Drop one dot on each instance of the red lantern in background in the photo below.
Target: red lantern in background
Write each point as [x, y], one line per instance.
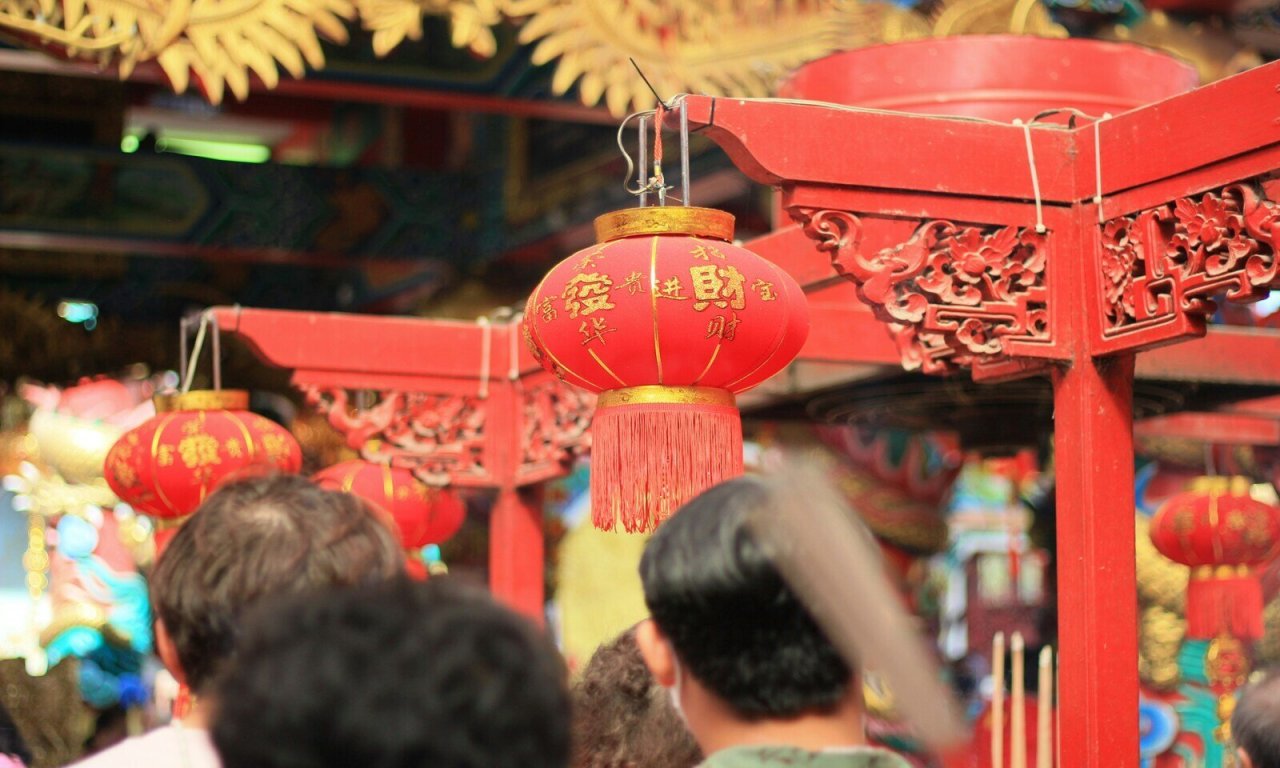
[423, 514]
[166, 466]
[668, 320]
[1223, 534]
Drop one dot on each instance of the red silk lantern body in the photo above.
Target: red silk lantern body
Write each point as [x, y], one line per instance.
[1223, 534]
[669, 319]
[166, 466]
[423, 514]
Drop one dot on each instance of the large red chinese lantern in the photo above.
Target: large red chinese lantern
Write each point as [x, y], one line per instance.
[166, 466]
[423, 514]
[1223, 534]
[668, 320]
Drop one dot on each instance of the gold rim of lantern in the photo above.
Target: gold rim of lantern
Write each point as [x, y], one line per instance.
[665, 220]
[1234, 485]
[203, 400]
[657, 393]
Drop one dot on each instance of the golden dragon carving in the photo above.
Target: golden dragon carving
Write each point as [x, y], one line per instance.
[726, 47]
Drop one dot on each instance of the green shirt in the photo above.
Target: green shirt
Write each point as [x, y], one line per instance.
[789, 757]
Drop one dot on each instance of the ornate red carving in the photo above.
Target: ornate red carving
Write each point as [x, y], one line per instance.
[438, 437]
[1163, 266]
[441, 438]
[557, 424]
[952, 295]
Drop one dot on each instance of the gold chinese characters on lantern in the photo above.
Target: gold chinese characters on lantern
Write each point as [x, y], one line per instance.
[166, 466]
[668, 319]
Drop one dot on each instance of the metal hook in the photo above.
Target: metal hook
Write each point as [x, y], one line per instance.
[684, 151]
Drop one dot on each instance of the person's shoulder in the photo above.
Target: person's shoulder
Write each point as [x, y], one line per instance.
[165, 747]
[766, 756]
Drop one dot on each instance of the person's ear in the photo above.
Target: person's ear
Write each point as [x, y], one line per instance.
[169, 653]
[656, 652]
[1242, 758]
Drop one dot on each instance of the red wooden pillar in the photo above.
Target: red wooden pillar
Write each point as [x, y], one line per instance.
[1097, 599]
[516, 549]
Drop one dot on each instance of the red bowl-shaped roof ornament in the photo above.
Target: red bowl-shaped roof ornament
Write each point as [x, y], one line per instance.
[423, 514]
[669, 320]
[169, 464]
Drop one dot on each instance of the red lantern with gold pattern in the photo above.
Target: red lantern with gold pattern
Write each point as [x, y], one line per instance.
[1223, 534]
[166, 466]
[668, 319]
[423, 514]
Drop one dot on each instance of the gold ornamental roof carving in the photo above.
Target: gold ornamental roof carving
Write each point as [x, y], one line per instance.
[725, 47]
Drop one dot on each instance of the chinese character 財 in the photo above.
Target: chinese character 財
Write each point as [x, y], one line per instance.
[723, 327]
[587, 293]
[717, 285]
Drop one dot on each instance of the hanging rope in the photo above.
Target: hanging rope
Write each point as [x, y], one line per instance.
[1097, 164]
[486, 347]
[1035, 177]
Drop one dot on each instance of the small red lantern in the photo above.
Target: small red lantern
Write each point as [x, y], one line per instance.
[668, 319]
[166, 466]
[423, 514]
[1223, 534]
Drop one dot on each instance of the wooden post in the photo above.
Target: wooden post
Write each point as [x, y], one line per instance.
[516, 549]
[1097, 582]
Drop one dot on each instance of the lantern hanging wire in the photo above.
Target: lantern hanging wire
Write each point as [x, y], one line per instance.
[187, 365]
[655, 183]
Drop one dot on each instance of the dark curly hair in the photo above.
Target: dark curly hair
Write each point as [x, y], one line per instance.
[622, 718]
[397, 675]
[732, 621]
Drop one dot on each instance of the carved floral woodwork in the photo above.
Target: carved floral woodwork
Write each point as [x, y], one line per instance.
[1162, 267]
[557, 424]
[444, 438]
[438, 437]
[952, 295]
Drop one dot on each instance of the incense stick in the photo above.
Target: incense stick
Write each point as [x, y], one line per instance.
[833, 566]
[1017, 706]
[997, 701]
[1044, 710]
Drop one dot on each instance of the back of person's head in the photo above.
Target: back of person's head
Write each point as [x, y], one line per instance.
[397, 675]
[622, 718]
[731, 620]
[253, 538]
[13, 749]
[1255, 724]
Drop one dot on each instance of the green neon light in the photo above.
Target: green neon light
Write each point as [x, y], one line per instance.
[229, 151]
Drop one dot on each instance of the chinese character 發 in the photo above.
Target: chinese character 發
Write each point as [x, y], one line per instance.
[672, 289]
[723, 327]
[705, 252]
[595, 330]
[587, 293]
[633, 284]
[547, 310]
[721, 286]
[765, 289]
